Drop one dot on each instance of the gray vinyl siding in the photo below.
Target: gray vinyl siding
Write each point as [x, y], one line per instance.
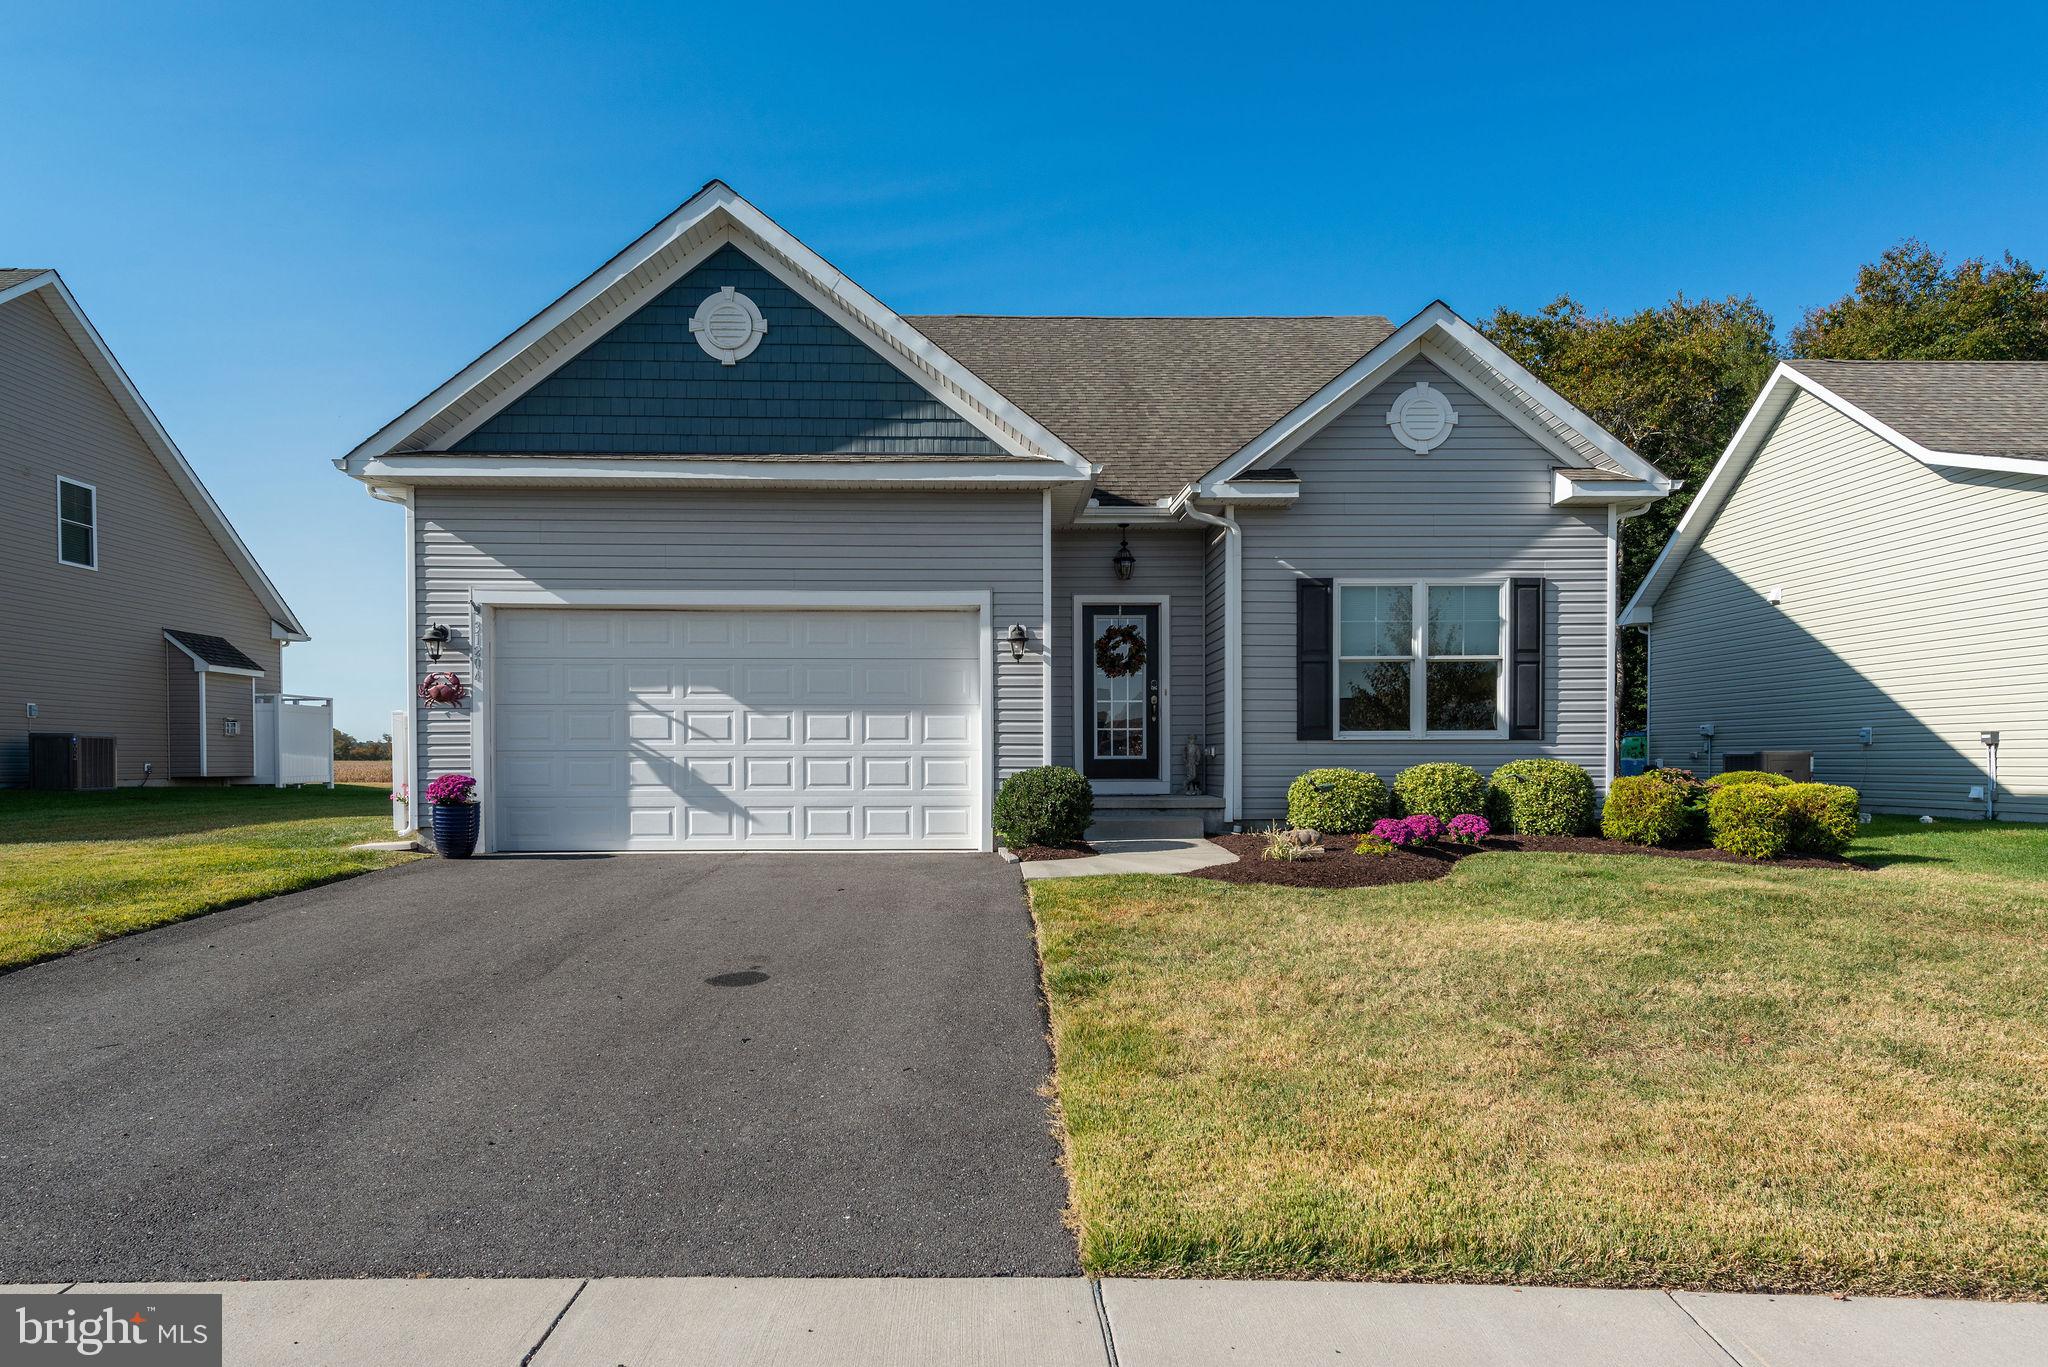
[1216, 621]
[1169, 566]
[1912, 604]
[87, 646]
[181, 716]
[1478, 506]
[229, 695]
[467, 540]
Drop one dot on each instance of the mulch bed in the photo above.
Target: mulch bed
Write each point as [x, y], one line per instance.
[1340, 868]
[1080, 849]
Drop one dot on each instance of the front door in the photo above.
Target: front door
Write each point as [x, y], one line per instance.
[1121, 710]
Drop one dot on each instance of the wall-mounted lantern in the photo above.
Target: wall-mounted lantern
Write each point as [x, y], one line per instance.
[434, 637]
[1124, 562]
[1017, 637]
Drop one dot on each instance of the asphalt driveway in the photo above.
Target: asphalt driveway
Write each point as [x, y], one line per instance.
[720, 1065]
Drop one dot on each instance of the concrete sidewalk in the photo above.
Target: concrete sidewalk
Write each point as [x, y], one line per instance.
[1071, 1322]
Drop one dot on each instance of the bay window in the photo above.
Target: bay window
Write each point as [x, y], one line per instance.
[1439, 671]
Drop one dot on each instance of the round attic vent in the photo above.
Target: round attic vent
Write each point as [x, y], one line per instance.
[728, 326]
[1422, 418]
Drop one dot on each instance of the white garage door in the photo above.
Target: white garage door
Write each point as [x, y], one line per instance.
[682, 730]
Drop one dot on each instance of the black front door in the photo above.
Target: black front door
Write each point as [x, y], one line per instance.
[1120, 715]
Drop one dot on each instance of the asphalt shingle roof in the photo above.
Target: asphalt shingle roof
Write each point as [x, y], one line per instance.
[215, 650]
[1158, 402]
[10, 276]
[1978, 408]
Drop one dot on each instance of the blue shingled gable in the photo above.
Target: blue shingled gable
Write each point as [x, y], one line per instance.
[810, 388]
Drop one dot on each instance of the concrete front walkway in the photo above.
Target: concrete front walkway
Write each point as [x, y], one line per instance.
[1071, 1322]
[1161, 855]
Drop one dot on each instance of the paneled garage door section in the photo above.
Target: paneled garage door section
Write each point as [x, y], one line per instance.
[680, 730]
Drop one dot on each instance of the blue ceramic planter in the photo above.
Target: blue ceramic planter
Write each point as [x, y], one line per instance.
[455, 830]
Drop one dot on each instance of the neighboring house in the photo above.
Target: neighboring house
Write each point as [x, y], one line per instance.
[730, 554]
[1860, 577]
[132, 610]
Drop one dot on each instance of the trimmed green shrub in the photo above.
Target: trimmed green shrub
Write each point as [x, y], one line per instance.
[1540, 797]
[1647, 809]
[1749, 819]
[1347, 800]
[1052, 805]
[1734, 776]
[1442, 790]
[1822, 817]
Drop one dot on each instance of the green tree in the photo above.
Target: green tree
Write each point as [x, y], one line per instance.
[1909, 306]
[1671, 382]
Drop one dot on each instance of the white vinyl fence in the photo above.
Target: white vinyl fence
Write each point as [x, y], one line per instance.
[294, 739]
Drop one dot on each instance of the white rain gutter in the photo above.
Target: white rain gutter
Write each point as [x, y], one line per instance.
[1233, 635]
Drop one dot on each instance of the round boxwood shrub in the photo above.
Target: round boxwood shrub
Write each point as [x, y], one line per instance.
[1052, 805]
[1734, 776]
[1749, 819]
[1347, 800]
[1822, 817]
[1442, 790]
[1540, 797]
[1647, 809]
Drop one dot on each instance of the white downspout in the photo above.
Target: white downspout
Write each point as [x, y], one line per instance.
[1615, 517]
[1233, 635]
[408, 821]
[1045, 623]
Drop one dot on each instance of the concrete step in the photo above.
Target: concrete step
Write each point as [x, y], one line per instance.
[1143, 825]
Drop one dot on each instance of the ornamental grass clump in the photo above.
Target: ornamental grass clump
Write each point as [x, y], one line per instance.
[1540, 797]
[1469, 829]
[1344, 800]
[1443, 790]
[1289, 845]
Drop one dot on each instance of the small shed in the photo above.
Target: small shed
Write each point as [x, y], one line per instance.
[212, 706]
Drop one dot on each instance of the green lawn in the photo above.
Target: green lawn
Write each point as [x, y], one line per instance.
[77, 868]
[1569, 1069]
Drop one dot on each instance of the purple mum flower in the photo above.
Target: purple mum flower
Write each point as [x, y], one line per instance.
[1468, 829]
[1392, 831]
[1424, 827]
[452, 790]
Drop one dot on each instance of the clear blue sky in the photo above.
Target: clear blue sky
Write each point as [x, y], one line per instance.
[292, 221]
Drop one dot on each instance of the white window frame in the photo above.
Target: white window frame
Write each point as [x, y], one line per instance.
[1418, 658]
[93, 526]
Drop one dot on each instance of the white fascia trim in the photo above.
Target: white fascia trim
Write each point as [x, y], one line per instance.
[832, 288]
[1565, 492]
[1436, 324]
[280, 632]
[157, 439]
[200, 666]
[1034, 472]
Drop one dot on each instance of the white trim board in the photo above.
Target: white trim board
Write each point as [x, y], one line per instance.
[57, 295]
[1785, 384]
[712, 217]
[486, 604]
[1163, 783]
[1440, 334]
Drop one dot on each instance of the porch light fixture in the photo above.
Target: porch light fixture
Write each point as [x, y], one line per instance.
[1123, 560]
[433, 638]
[1017, 637]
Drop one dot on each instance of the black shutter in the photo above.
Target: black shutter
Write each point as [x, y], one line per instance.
[1313, 690]
[1525, 676]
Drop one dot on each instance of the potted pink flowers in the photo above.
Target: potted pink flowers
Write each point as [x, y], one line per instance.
[453, 798]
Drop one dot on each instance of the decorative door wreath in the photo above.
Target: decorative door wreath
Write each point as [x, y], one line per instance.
[1120, 651]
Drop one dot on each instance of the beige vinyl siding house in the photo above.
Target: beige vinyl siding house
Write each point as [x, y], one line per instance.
[730, 555]
[86, 642]
[1847, 575]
